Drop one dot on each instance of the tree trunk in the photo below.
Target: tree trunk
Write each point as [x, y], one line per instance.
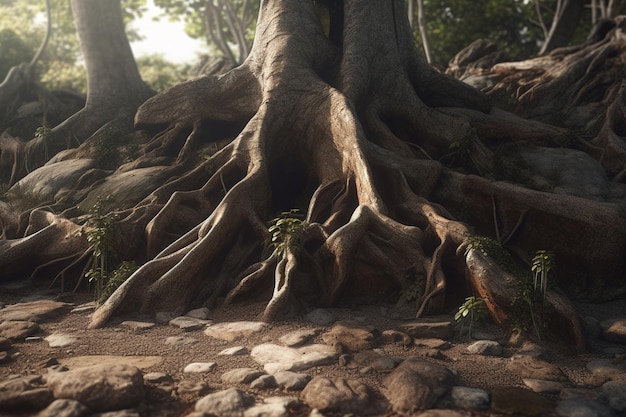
[380, 164]
[564, 24]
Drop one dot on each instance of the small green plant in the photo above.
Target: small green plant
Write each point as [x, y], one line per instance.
[99, 233]
[42, 132]
[286, 230]
[543, 263]
[117, 278]
[471, 311]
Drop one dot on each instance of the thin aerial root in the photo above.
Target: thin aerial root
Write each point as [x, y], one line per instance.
[435, 278]
[253, 278]
[285, 271]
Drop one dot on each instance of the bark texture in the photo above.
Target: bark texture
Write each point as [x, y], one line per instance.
[387, 160]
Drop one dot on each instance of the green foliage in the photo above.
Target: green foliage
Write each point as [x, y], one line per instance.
[13, 51]
[117, 278]
[161, 74]
[543, 263]
[101, 239]
[106, 145]
[471, 311]
[493, 250]
[286, 230]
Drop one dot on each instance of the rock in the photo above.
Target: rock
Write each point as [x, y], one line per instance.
[275, 358]
[520, 401]
[416, 385]
[274, 407]
[188, 324]
[100, 387]
[614, 330]
[485, 348]
[605, 368]
[4, 357]
[469, 398]
[321, 317]
[532, 350]
[533, 368]
[16, 330]
[352, 336]
[24, 394]
[199, 367]
[234, 351]
[5, 344]
[374, 360]
[59, 340]
[188, 391]
[615, 394]
[141, 362]
[180, 340]
[543, 387]
[163, 317]
[579, 407]
[64, 408]
[234, 330]
[228, 403]
[157, 378]
[395, 336]
[264, 382]
[137, 326]
[338, 395]
[429, 328]
[200, 313]
[298, 337]
[432, 343]
[37, 310]
[291, 381]
[241, 376]
[584, 393]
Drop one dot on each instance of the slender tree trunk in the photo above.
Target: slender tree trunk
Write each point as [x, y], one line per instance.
[564, 24]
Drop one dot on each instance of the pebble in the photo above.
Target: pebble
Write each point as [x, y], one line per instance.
[200, 313]
[241, 376]
[188, 323]
[137, 326]
[199, 367]
[59, 340]
[469, 398]
[579, 407]
[234, 351]
[485, 348]
[234, 330]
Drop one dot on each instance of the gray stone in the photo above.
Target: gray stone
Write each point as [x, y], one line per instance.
[241, 376]
[264, 382]
[534, 368]
[275, 358]
[100, 387]
[180, 340]
[614, 330]
[59, 340]
[396, 336]
[273, 407]
[188, 323]
[374, 360]
[199, 367]
[157, 378]
[520, 401]
[583, 393]
[432, 343]
[416, 385]
[234, 330]
[429, 328]
[200, 313]
[338, 395]
[291, 381]
[24, 394]
[579, 407]
[543, 387]
[606, 368]
[485, 348]
[615, 394]
[38, 310]
[189, 391]
[228, 403]
[469, 398]
[163, 317]
[352, 336]
[16, 330]
[64, 408]
[531, 349]
[137, 326]
[234, 351]
[298, 337]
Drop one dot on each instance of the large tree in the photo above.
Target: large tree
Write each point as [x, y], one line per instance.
[388, 160]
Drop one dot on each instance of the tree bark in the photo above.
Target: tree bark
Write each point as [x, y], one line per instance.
[564, 24]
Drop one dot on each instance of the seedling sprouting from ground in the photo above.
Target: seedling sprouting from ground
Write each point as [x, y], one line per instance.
[472, 310]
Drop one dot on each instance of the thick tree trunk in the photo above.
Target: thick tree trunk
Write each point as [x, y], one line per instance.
[387, 160]
[564, 24]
